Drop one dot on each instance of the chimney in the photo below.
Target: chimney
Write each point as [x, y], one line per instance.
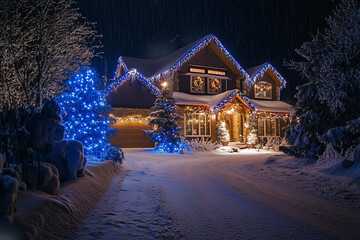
[177, 43]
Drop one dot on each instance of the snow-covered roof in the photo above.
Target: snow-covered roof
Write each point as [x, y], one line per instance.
[272, 106]
[258, 71]
[153, 68]
[213, 101]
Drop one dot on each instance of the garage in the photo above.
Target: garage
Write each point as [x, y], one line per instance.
[130, 135]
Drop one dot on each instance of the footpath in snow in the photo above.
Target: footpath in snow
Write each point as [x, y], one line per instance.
[245, 195]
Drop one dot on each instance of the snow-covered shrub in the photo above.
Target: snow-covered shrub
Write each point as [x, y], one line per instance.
[51, 109]
[355, 154]
[44, 131]
[114, 154]
[222, 133]
[330, 156]
[8, 196]
[49, 177]
[68, 157]
[202, 145]
[228, 149]
[184, 145]
[273, 143]
[345, 137]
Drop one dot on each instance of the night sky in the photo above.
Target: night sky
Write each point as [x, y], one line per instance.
[253, 31]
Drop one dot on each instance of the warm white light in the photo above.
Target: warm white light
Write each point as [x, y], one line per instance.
[164, 84]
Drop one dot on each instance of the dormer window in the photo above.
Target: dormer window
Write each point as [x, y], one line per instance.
[263, 90]
[197, 84]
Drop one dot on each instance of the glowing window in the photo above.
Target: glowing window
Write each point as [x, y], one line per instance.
[263, 90]
[214, 85]
[197, 124]
[197, 84]
[216, 72]
[197, 70]
[268, 127]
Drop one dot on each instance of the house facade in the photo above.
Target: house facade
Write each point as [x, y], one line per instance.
[209, 86]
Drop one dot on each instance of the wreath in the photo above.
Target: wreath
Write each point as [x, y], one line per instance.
[198, 83]
[215, 84]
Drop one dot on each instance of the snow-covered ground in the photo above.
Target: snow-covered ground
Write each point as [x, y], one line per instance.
[244, 195]
[43, 216]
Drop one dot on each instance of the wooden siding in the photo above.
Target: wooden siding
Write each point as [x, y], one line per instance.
[207, 59]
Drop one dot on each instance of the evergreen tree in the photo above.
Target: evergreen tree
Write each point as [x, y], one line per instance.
[86, 116]
[165, 131]
[331, 99]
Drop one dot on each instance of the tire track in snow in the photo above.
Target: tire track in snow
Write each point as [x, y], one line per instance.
[133, 208]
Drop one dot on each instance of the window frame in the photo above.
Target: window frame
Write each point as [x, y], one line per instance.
[263, 83]
[220, 87]
[264, 132]
[191, 83]
[199, 124]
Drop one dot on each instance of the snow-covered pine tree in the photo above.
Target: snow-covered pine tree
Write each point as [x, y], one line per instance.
[165, 133]
[332, 97]
[222, 133]
[86, 116]
[41, 41]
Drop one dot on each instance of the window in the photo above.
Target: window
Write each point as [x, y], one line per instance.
[197, 84]
[268, 127]
[214, 85]
[197, 70]
[197, 124]
[216, 72]
[263, 90]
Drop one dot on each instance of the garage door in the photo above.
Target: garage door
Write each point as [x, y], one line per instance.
[130, 135]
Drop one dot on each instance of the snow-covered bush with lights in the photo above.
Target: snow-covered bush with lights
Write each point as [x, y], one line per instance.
[202, 145]
[164, 117]
[328, 106]
[252, 137]
[86, 116]
[222, 133]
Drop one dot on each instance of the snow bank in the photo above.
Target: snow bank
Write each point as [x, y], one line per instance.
[42, 216]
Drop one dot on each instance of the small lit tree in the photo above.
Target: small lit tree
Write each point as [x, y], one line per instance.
[164, 121]
[252, 130]
[222, 133]
[86, 116]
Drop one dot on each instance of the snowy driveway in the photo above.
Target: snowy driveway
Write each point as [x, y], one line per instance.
[210, 196]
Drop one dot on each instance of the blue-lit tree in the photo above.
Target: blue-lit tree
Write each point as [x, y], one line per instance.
[165, 131]
[86, 116]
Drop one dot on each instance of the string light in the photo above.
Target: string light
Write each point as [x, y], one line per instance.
[262, 71]
[232, 96]
[132, 73]
[136, 118]
[84, 113]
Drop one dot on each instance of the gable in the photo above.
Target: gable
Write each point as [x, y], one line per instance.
[171, 63]
[131, 94]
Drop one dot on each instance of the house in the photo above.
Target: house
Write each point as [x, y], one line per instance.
[209, 85]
